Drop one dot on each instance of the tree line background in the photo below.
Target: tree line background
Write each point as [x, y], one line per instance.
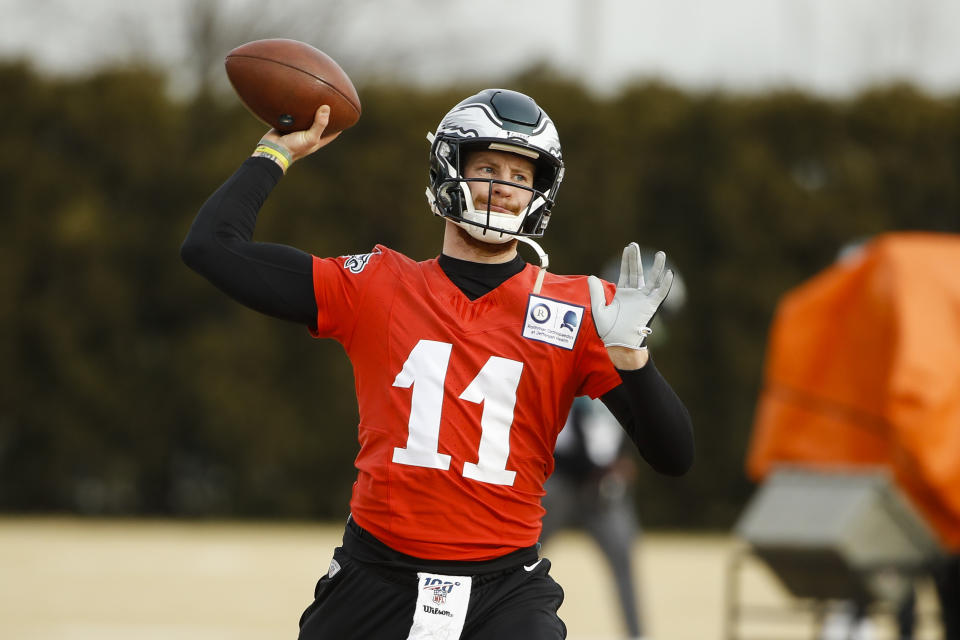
[131, 387]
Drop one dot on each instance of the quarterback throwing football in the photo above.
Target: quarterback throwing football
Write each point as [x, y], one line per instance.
[466, 366]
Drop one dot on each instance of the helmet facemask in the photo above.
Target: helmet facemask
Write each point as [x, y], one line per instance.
[454, 196]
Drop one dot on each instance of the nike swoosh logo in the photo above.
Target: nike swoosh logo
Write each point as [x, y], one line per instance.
[532, 566]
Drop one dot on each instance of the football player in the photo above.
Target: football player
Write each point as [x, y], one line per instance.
[465, 366]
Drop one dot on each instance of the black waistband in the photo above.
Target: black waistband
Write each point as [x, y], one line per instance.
[363, 546]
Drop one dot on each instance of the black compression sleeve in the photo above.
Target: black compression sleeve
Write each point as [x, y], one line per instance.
[654, 418]
[271, 278]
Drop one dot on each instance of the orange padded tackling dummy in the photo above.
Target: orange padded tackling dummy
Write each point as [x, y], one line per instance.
[863, 368]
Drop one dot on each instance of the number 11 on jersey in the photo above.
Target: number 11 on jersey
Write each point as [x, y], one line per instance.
[495, 386]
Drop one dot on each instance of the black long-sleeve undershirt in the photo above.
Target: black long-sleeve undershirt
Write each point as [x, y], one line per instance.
[277, 280]
[274, 279]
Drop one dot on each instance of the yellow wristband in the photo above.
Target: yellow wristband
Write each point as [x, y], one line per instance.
[277, 147]
[281, 159]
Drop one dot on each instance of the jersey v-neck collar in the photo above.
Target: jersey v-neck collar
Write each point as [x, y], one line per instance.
[474, 279]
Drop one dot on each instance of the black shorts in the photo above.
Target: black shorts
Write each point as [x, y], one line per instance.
[375, 593]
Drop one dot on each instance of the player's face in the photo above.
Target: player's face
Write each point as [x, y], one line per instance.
[499, 165]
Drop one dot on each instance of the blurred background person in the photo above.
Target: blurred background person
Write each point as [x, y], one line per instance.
[591, 489]
[595, 473]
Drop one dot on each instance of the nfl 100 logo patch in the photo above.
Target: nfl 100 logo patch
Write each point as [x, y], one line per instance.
[552, 321]
[440, 589]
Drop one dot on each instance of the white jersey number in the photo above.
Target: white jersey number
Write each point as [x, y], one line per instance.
[495, 386]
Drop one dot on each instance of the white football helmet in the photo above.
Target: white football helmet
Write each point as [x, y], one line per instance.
[500, 120]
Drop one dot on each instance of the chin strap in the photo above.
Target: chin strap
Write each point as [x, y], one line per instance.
[544, 262]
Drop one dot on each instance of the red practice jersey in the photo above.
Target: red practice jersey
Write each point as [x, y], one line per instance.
[460, 401]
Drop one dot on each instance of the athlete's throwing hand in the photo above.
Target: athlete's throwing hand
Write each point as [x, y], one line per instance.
[625, 322]
[300, 144]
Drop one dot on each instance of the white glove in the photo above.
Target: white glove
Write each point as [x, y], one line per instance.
[625, 322]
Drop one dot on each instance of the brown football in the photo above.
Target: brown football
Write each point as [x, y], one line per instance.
[282, 82]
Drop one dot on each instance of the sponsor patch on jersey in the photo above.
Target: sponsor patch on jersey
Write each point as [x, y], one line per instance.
[441, 607]
[552, 321]
[358, 262]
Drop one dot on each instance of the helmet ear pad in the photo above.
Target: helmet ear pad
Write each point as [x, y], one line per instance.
[450, 196]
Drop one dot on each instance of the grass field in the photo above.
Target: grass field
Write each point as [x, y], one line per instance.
[73, 579]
